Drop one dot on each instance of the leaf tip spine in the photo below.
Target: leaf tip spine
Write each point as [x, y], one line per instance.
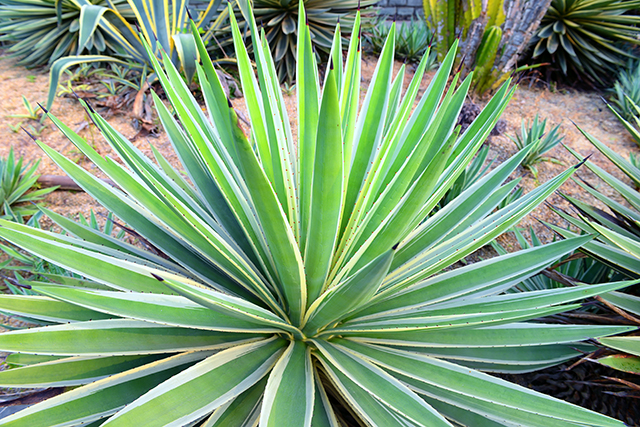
[42, 108]
[27, 132]
[583, 161]
[158, 278]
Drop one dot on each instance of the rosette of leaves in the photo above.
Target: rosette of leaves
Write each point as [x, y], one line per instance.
[42, 31]
[626, 91]
[278, 19]
[16, 181]
[632, 125]
[412, 39]
[296, 287]
[586, 37]
[65, 33]
[532, 134]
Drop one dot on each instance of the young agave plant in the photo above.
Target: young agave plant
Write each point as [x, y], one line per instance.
[296, 285]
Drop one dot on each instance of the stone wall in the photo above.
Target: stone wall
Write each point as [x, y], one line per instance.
[403, 9]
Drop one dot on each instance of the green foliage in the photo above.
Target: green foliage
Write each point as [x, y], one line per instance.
[577, 268]
[278, 19]
[632, 125]
[476, 169]
[284, 278]
[626, 91]
[32, 120]
[42, 31]
[533, 135]
[586, 37]
[64, 34]
[24, 265]
[618, 244]
[16, 181]
[574, 266]
[618, 241]
[413, 38]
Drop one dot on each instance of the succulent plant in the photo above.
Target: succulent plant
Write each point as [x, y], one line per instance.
[291, 283]
[626, 91]
[278, 19]
[16, 181]
[533, 134]
[584, 37]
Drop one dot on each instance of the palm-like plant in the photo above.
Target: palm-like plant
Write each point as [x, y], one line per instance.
[286, 281]
[585, 36]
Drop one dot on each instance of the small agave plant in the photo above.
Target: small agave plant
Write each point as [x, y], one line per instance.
[296, 282]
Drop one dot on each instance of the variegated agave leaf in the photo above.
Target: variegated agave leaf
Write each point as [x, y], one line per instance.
[294, 275]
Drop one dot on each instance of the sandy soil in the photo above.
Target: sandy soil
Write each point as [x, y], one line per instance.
[585, 109]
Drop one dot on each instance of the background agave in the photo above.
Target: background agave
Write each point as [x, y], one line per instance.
[586, 36]
[62, 34]
[296, 285]
[44, 30]
[278, 18]
[16, 181]
[533, 134]
[626, 91]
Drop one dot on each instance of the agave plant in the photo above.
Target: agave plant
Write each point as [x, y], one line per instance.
[412, 39]
[632, 125]
[62, 34]
[296, 285]
[533, 135]
[44, 30]
[16, 180]
[626, 91]
[585, 36]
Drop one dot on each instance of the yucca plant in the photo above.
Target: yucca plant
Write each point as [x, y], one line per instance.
[163, 24]
[16, 181]
[278, 19]
[296, 283]
[585, 37]
[532, 134]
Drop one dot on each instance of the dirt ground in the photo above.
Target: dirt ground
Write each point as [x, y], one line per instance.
[566, 107]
